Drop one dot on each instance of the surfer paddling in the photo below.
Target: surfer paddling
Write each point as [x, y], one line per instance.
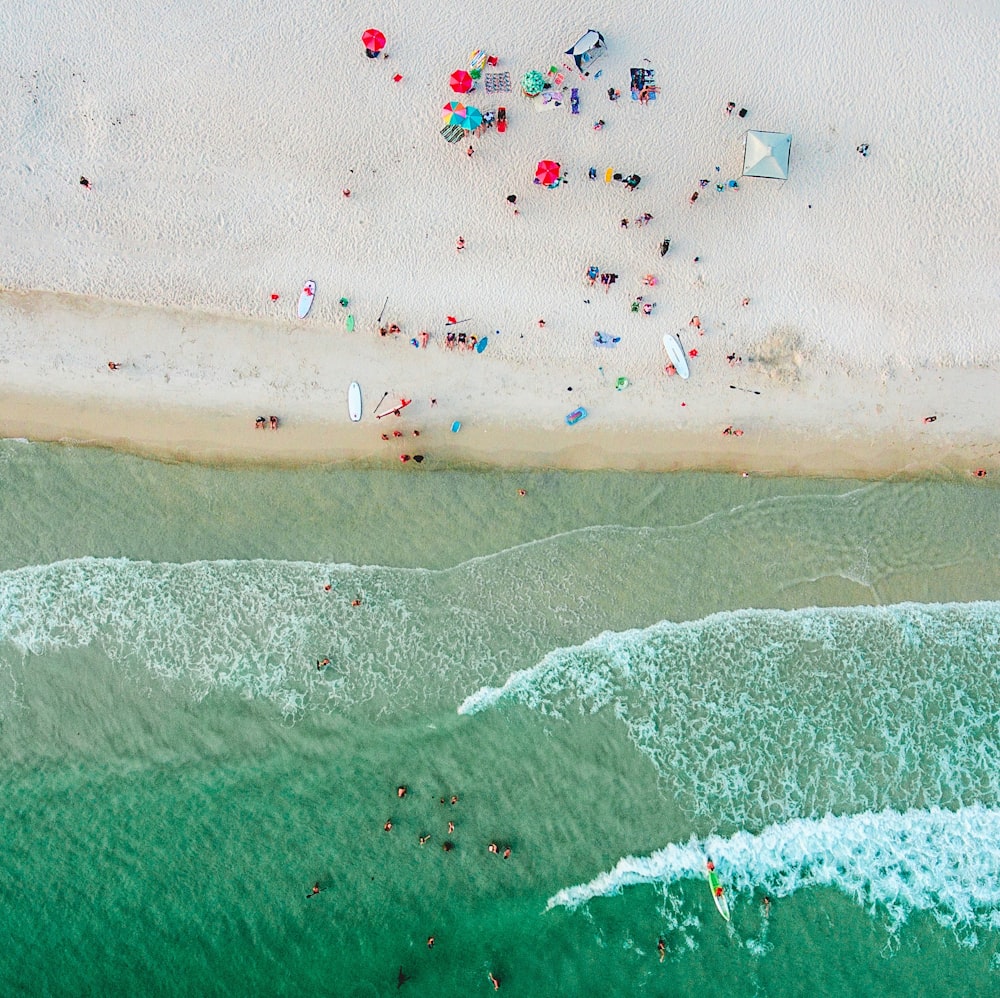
[316, 889]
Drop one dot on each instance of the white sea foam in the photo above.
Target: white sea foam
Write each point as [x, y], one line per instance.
[945, 863]
[767, 715]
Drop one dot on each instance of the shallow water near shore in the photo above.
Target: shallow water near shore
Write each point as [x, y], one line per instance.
[617, 675]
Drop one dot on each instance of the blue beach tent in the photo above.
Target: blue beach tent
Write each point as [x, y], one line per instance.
[588, 49]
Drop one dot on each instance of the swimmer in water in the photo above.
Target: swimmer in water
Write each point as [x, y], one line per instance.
[448, 846]
[494, 848]
[401, 791]
[766, 906]
[454, 800]
[423, 839]
[451, 827]
[315, 890]
[661, 948]
[495, 981]
[387, 826]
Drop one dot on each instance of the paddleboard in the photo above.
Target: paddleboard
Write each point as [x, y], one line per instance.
[481, 344]
[676, 353]
[306, 298]
[354, 401]
[718, 895]
[350, 323]
[396, 409]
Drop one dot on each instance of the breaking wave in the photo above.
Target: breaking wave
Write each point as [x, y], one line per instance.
[944, 863]
[759, 716]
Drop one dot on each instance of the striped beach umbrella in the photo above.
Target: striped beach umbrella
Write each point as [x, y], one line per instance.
[455, 113]
[477, 62]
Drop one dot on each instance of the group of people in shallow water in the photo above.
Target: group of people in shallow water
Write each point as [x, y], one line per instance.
[447, 845]
[401, 791]
[260, 423]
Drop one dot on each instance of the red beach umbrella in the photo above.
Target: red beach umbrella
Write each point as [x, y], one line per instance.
[547, 172]
[461, 82]
[373, 40]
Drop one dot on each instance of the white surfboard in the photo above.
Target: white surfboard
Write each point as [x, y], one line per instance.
[676, 354]
[306, 298]
[354, 401]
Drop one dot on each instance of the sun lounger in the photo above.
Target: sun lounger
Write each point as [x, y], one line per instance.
[501, 120]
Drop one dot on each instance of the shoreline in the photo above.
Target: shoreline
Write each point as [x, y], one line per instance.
[213, 438]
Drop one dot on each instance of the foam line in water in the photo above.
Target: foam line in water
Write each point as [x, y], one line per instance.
[945, 863]
[768, 715]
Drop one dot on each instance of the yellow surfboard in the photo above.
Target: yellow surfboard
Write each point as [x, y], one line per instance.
[608, 175]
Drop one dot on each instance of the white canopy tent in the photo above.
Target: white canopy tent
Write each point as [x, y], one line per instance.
[766, 155]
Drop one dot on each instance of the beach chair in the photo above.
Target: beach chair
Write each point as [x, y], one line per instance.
[574, 101]
[501, 120]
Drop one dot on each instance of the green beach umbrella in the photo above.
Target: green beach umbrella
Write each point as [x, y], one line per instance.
[532, 83]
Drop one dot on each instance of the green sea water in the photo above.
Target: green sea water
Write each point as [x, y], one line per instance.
[616, 674]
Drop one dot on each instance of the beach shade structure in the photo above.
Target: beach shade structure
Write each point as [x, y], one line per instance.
[587, 49]
[473, 118]
[461, 82]
[547, 173]
[532, 83]
[465, 117]
[766, 155]
[373, 41]
[477, 63]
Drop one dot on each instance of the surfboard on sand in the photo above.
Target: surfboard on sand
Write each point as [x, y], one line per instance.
[350, 323]
[306, 298]
[676, 353]
[481, 344]
[354, 401]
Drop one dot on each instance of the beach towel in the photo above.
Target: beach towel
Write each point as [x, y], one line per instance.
[574, 101]
[497, 83]
[640, 79]
[604, 340]
[452, 133]
[550, 99]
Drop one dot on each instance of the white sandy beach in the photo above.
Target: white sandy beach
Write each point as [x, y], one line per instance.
[218, 137]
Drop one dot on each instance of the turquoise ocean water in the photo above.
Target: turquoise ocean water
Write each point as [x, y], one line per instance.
[617, 675]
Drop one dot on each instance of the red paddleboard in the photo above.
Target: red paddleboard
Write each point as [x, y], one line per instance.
[395, 410]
